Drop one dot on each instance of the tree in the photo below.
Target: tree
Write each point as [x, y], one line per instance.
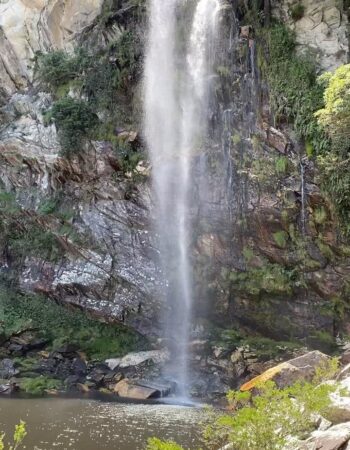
[335, 116]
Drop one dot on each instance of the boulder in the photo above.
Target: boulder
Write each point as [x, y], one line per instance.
[332, 439]
[8, 388]
[128, 389]
[287, 373]
[143, 389]
[344, 373]
[345, 357]
[113, 363]
[340, 406]
[135, 359]
[7, 369]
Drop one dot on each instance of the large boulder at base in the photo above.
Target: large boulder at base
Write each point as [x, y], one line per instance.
[332, 439]
[340, 406]
[287, 373]
[141, 389]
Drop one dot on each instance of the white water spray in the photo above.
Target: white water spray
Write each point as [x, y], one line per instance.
[177, 86]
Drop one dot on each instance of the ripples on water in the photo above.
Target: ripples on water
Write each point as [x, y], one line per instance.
[92, 425]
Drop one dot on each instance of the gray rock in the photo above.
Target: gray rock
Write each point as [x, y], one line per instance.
[135, 359]
[7, 369]
[113, 363]
[332, 439]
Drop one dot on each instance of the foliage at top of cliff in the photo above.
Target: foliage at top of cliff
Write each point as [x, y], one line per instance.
[334, 117]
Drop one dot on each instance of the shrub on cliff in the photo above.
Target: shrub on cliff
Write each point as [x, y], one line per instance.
[295, 94]
[57, 68]
[75, 121]
[335, 163]
[335, 116]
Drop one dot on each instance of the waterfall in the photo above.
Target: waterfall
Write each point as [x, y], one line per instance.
[177, 86]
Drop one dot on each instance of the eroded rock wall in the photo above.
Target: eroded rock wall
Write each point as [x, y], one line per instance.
[322, 29]
[28, 26]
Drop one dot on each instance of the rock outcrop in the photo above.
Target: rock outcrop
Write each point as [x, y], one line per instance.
[28, 26]
[289, 372]
[321, 29]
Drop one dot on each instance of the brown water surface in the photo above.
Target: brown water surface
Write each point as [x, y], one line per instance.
[79, 424]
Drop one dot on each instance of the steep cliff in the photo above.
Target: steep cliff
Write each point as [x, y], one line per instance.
[76, 223]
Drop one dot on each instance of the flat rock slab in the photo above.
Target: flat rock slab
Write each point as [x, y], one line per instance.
[142, 389]
[287, 373]
[137, 358]
[332, 439]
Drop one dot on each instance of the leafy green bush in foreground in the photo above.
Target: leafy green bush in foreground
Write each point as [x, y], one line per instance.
[18, 437]
[267, 420]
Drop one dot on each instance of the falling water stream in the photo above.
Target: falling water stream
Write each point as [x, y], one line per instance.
[177, 87]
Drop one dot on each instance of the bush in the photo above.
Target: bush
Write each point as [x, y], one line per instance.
[335, 163]
[57, 68]
[268, 420]
[297, 12]
[335, 116]
[272, 279]
[39, 385]
[61, 325]
[295, 94]
[18, 437]
[22, 235]
[157, 444]
[75, 121]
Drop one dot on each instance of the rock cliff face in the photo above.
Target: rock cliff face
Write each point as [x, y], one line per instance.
[39, 25]
[270, 254]
[322, 28]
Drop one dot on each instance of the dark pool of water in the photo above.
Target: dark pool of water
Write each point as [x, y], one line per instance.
[79, 424]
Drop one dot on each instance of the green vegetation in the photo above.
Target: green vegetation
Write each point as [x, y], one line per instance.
[157, 444]
[61, 325]
[297, 12]
[58, 68]
[127, 156]
[264, 348]
[40, 385]
[282, 164]
[281, 238]
[319, 108]
[320, 215]
[271, 279]
[335, 116]
[335, 164]
[75, 121]
[18, 437]
[295, 94]
[22, 234]
[87, 85]
[267, 420]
